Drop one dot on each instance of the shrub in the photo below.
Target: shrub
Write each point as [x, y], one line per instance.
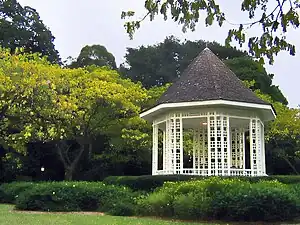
[150, 183]
[77, 196]
[2, 196]
[12, 190]
[146, 182]
[225, 199]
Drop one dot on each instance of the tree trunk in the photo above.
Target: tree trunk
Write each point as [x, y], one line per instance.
[69, 165]
[69, 173]
[290, 164]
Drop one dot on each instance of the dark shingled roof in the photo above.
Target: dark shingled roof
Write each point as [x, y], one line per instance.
[208, 78]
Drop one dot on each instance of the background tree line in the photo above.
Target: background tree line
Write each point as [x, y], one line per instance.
[79, 120]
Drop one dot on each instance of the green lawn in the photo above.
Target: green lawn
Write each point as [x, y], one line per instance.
[9, 217]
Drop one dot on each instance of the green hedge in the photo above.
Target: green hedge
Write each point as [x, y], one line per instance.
[70, 196]
[146, 182]
[2, 196]
[78, 196]
[222, 199]
[149, 183]
[11, 191]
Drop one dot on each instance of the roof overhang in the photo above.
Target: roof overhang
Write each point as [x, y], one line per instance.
[267, 110]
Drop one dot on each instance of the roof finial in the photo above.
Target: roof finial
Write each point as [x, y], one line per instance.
[206, 45]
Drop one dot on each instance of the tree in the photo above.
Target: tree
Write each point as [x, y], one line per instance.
[282, 134]
[94, 55]
[83, 104]
[275, 18]
[68, 107]
[163, 63]
[18, 85]
[21, 27]
[248, 69]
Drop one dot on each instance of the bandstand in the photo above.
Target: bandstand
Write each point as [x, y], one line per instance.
[209, 124]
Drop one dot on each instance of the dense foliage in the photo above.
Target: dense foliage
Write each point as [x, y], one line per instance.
[69, 196]
[166, 61]
[275, 18]
[71, 107]
[224, 199]
[94, 55]
[210, 198]
[12, 190]
[150, 183]
[21, 27]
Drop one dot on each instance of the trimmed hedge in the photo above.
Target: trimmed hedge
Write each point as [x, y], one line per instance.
[222, 199]
[150, 183]
[2, 197]
[11, 191]
[146, 182]
[70, 196]
[78, 196]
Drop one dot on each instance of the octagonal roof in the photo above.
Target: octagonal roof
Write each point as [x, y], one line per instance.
[207, 81]
[208, 78]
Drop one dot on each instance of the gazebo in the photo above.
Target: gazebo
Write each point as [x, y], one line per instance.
[209, 124]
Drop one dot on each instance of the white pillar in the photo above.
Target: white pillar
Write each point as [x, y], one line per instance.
[244, 152]
[241, 149]
[155, 149]
[263, 150]
[177, 143]
[168, 158]
[209, 145]
[229, 152]
[216, 145]
[258, 148]
[164, 151]
[181, 143]
[222, 146]
[254, 144]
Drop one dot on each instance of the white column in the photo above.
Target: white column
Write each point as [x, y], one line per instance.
[209, 145]
[216, 146]
[168, 159]
[241, 149]
[228, 147]
[155, 149]
[253, 146]
[258, 148]
[244, 152]
[164, 151]
[222, 145]
[263, 150]
[181, 143]
[177, 143]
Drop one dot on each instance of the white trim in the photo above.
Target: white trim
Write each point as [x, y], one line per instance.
[207, 103]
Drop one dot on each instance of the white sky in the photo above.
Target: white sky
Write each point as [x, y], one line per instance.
[76, 23]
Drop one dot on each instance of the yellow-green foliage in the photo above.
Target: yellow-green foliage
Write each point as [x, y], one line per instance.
[47, 102]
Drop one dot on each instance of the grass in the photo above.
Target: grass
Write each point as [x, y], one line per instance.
[10, 217]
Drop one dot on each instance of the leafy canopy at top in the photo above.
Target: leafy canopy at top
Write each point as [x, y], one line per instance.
[21, 27]
[275, 18]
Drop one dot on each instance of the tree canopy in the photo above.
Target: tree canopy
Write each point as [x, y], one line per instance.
[163, 63]
[94, 55]
[275, 19]
[21, 27]
[51, 103]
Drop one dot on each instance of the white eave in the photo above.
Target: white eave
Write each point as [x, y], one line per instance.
[267, 109]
